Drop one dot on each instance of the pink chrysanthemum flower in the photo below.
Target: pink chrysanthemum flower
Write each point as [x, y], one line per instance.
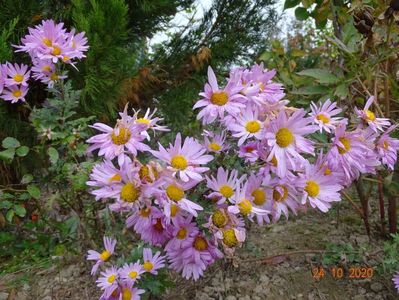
[395, 280]
[284, 196]
[113, 142]
[217, 102]
[387, 148]
[109, 245]
[152, 263]
[141, 219]
[103, 176]
[150, 122]
[78, 43]
[323, 115]
[244, 206]
[349, 152]
[320, 190]
[108, 281]
[246, 125]
[261, 197]
[224, 185]
[16, 75]
[129, 273]
[42, 68]
[194, 257]
[215, 142]
[285, 138]
[185, 160]
[156, 232]
[15, 93]
[3, 75]
[369, 117]
[231, 238]
[249, 151]
[174, 193]
[181, 231]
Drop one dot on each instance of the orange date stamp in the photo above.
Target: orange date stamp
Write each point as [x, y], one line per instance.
[341, 273]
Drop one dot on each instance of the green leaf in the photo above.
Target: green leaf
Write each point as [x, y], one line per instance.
[311, 90]
[53, 153]
[321, 76]
[5, 204]
[10, 142]
[10, 215]
[7, 155]
[20, 210]
[298, 52]
[34, 191]
[342, 91]
[22, 151]
[301, 13]
[26, 178]
[291, 3]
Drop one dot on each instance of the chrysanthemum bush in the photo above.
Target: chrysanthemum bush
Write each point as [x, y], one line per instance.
[257, 159]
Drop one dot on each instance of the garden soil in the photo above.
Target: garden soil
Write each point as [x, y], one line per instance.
[278, 262]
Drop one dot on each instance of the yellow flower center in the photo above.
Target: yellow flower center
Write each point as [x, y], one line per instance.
[226, 191]
[144, 121]
[145, 212]
[17, 93]
[46, 69]
[229, 238]
[148, 266]
[105, 255]
[18, 77]
[327, 171]
[219, 98]
[47, 42]
[182, 233]
[312, 188]
[252, 126]
[122, 137]
[370, 116]
[54, 76]
[259, 196]
[174, 192]
[323, 118]
[245, 207]
[174, 209]
[261, 86]
[347, 145]
[129, 192]
[144, 173]
[284, 137]
[214, 147]
[274, 161]
[219, 219]
[386, 145]
[200, 243]
[277, 195]
[116, 177]
[133, 274]
[66, 58]
[56, 51]
[111, 278]
[126, 294]
[179, 162]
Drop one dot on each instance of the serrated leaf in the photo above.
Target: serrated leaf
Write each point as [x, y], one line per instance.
[310, 90]
[321, 76]
[20, 210]
[10, 215]
[7, 155]
[301, 13]
[53, 154]
[26, 178]
[291, 3]
[10, 142]
[22, 151]
[34, 191]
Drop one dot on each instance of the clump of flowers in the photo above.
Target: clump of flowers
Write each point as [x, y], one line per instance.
[50, 46]
[186, 200]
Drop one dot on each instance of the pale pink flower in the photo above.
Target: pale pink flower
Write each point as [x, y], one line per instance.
[14, 93]
[246, 125]
[369, 117]
[100, 258]
[16, 75]
[152, 263]
[324, 114]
